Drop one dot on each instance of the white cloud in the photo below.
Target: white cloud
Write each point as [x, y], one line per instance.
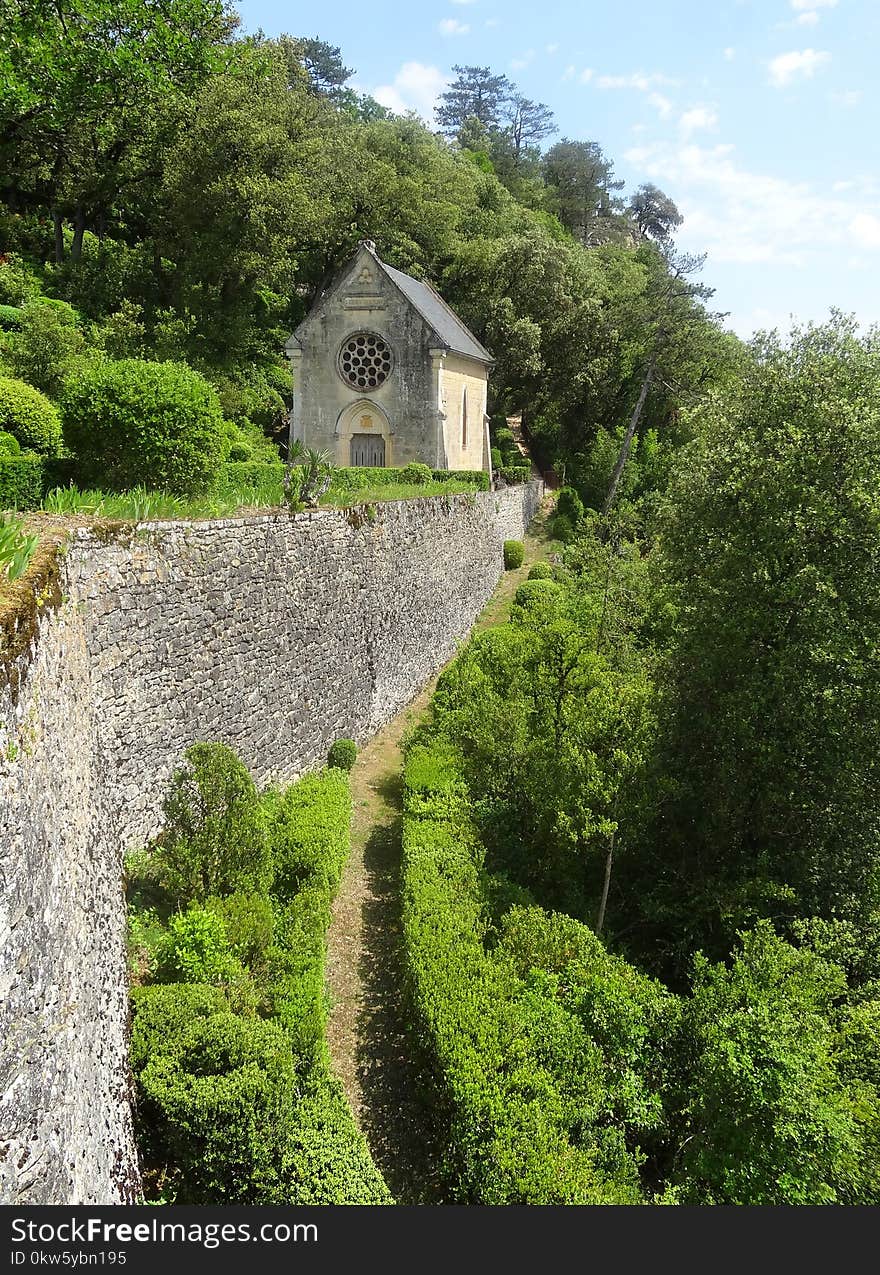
[637, 80]
[729, 53]
[809, 19]
[747, 217]
[696, 118]
[415, 87]
[551, 49]
[568, 73]
[865, 228]
[806, 6]
[452, 26]
[519, 64]
[849, 97]
[788, 66]
[661, 104]
[492, 22]
[586, 75]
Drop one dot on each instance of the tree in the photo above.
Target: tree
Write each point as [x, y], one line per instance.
[477, 94]
[527, 123]
[323, 64]
[654, 213]
[581, 183]
[764, 800]
[670, 321]
[89, 93]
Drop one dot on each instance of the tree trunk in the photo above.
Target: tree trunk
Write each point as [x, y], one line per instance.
[59, 237]
[79, 228]
[609, 860]
[628, 437]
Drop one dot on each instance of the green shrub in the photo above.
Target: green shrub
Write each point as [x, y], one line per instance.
[330, 1160]
[47, 347]
[21, 481]
[219, 1103]
[248, 924]
[343, 754]
[541, 571]
[195, 949]
[18, 282]
[561, 528]
[515, 474]
[514, 552]
[496, 458]
[10, 317]
[29, 416]
[136, 422]
[215, 839]
[478, 477]
[504, 439]
[164, 1012]
[416, 473]
[570, 505]
[533, 596]
[9, 444]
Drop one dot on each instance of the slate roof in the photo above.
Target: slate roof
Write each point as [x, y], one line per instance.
[438, 315]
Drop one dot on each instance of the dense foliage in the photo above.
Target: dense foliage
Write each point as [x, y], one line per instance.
[235, 1100]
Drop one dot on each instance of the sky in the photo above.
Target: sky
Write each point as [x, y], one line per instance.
[758, 117]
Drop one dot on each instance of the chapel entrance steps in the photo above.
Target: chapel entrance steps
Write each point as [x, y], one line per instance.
[520, 437]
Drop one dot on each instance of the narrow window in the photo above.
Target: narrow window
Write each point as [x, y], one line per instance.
[464, 419]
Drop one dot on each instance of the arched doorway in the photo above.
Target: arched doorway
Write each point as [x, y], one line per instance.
[363, 436]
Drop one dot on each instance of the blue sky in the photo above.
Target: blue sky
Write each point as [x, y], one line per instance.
[758, 117]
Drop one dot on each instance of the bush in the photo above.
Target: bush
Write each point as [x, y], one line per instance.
[21, 482]
[504, 439]
[195, 949]
[496, 458]
[215, 839]
[541, 571]
[29, 416]
[218, 1100]
[46, 348]
[9, 444]
[416, 473]
[514, 552]
[570, 505]
[562, 529]
[515, 474]
[18, 283]
[134, 422]
[10, 317]
[343, 754]
[248, 924]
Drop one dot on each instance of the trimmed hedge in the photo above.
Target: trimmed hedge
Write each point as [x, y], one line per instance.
[360, 476]
[239, 1104]
[533, 1101]
[29, 415]
[514, 552]
[135, 422]
[515, 474]
[343, 754]
[21, 482]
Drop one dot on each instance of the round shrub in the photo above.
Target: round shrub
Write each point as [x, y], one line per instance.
[513, 554]
[561, 528]
[504, 439]
[10, 317]
[570, 505]
[29, 417]
[9, 444]
[541, 571]
[133, 422]
[496, 458]
[343, 752]
[416, 473]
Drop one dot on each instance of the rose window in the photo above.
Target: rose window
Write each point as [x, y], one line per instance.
[365, 361]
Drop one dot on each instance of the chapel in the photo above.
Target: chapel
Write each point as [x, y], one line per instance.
[385, 373]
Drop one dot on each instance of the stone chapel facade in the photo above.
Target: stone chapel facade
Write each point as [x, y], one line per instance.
[385, 373]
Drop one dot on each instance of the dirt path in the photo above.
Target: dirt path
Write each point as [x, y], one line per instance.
[370, 1045]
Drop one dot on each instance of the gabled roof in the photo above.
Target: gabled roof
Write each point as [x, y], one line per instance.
[448, 327]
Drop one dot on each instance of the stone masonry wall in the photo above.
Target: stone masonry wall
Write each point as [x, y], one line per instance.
[274, 633]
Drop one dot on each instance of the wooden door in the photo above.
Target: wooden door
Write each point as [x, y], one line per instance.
[368, 449]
